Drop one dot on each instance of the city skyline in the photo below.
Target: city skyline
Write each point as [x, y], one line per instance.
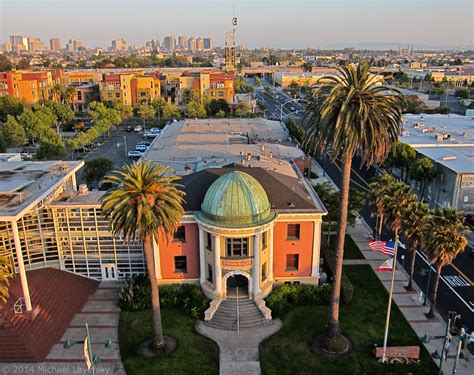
[286, 26]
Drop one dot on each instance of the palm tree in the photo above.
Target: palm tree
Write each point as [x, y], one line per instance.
[378, 189]
[444, 239]
[350, 113]
[5, 275]
[67, 95]
[413, 226]
[144, 203]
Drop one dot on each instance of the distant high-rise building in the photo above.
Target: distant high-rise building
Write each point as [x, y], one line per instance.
[73, 45]
[208, 43]
[119, 45]
[169, 43]
[200, 44]
[192, 44]
[35, 44]
[55, 44]
[19, 42]
[182, 42]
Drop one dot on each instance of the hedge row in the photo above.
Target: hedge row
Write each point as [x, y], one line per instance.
[287, 296]
[136, 296]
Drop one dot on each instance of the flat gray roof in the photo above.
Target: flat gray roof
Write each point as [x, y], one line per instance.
[447, 139]
[25, 183]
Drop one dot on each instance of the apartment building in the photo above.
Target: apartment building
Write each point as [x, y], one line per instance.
[130, 88]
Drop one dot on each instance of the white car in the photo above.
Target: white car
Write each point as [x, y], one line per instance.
[155, 130]
[137, 129]
[135, 154]
[141, 148]
[150, 135]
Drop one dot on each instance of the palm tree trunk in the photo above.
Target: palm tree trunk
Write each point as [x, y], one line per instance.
[158, 342]
[333, 330]
[434, 292]
[412, 266]
[380, 223]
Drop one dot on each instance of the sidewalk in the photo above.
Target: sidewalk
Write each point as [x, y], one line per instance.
[238, 352]
[410, 304]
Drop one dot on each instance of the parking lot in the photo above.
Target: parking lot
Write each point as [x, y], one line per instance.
[115, 148]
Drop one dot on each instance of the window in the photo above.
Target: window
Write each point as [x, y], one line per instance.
[237, 247]
[117, 95]
[293, 231]
[79, 95]
[264, 240]
[210, 277]
[209, 241]
[264, 271]
[180, 234]
[180, 264]
[292, 261]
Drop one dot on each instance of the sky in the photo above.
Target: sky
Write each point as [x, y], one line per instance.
[261, 23]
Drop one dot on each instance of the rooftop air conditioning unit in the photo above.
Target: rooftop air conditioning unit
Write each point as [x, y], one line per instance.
[448, 158]
[439, 137]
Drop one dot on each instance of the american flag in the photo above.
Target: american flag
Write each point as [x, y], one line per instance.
[386, 266]
[387, 248]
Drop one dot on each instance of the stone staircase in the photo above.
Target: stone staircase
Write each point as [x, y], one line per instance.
[226, 315]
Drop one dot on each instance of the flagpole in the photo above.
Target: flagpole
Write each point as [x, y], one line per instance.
[387, 320]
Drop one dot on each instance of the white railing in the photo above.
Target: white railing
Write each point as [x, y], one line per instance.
[18, 306]
[238, 315]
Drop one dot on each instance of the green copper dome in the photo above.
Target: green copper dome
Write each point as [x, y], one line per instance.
[236, 199]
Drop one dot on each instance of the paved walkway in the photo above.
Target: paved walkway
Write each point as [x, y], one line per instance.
[238, 352]
[410, 303]
[102, 315]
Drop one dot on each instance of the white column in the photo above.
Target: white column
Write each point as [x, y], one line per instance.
[316, 248]
[256, 263]
[217, 264]
[157, 260]
[270, 254]
[21, 266]
[202, 257]
[74, 182]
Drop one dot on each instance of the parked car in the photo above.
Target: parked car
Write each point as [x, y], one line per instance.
[146, 143]
[137, 129]
[141, 148]
[155, 130]
[129, 128]
[292, 109]
[135, 154]
[26, 156]
[150, 135]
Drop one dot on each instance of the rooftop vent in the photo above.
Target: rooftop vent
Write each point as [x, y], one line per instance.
[446, 158]
[83, 190]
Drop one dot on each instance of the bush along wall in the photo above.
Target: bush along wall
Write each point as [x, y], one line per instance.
[287, 296]
[136, 296]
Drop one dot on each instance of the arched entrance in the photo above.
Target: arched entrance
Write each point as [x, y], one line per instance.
[237, 283]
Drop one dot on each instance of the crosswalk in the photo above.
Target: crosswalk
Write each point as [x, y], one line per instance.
[456, 281]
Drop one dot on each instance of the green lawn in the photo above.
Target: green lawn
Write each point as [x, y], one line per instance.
[289, 352]
[195, 354]
[351, 251]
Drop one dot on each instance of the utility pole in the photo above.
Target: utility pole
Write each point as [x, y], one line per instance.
[125, 144]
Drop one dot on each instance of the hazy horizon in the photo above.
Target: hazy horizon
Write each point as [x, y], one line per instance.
[262, 23]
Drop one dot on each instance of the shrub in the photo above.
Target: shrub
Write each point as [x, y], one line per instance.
[347, 290]
[287, 296]
[136, 296]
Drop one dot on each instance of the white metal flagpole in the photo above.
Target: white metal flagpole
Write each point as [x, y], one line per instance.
[387, 320]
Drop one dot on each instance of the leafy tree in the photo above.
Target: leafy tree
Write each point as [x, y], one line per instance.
[258, 81]
[444, 238]
[413, 226]
[96, 169]
[62, 94]
[349, 114]
[195, 109]
[293, 88]
[240, 86]
[10, 106]
[307, 66]
[145, 203]
[4, 139]
[124, 110]
[6, 274]
[62, 112]
[295, 130]
[23, 64]
[461, 93]
[146, 111]
[414, 105]
[5, 64]
[51, 150]
[214, 106]
[423, 171]
[378, 189]
[401, 156]
[16, 133]
[242, 109]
